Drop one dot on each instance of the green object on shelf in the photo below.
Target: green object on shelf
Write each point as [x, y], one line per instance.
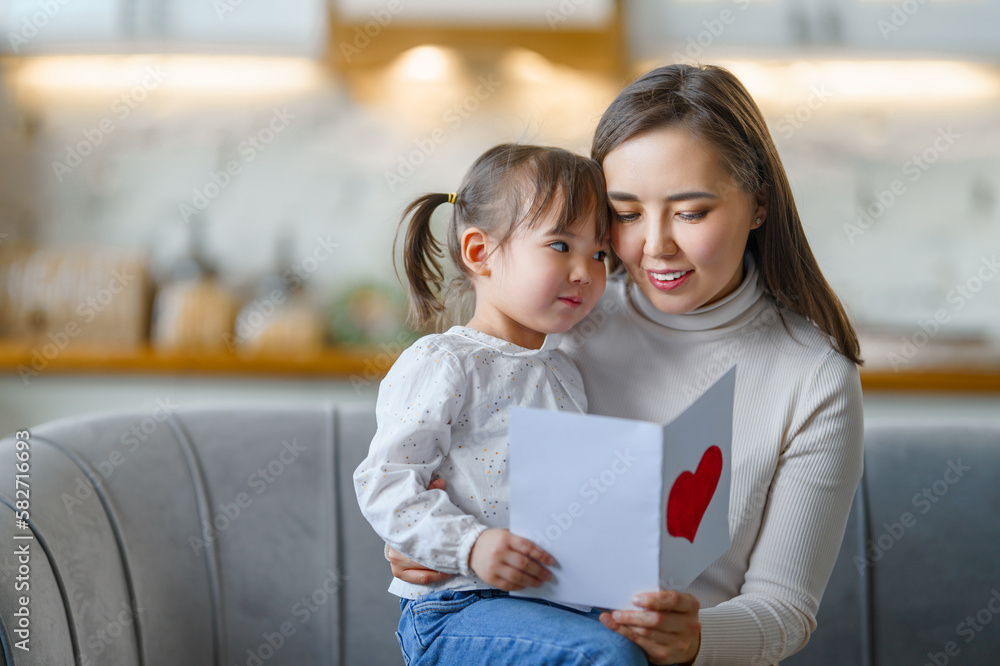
[370, 313]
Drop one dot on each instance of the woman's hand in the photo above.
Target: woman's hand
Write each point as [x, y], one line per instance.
[509, 562]
[668, 630]
[406, 569]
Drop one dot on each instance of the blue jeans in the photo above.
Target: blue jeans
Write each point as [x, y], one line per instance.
[490, 627]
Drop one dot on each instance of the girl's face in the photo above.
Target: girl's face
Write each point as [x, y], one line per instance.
[540, 282]
[681, 222]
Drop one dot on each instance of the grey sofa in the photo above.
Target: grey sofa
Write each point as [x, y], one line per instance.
[231, 536]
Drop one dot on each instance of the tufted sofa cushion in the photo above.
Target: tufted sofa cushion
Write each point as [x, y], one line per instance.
[210, 535]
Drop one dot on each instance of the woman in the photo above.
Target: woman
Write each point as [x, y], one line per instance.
[717, 272]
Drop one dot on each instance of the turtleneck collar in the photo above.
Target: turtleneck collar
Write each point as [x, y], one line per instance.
[716, 315]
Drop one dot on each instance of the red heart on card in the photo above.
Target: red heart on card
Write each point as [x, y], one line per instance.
[691, 494]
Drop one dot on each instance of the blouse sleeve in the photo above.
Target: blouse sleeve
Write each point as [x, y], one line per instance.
[802, 527]
[419, 399]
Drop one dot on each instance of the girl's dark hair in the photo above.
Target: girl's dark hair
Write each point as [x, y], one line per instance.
[712, 104]
[509, 188]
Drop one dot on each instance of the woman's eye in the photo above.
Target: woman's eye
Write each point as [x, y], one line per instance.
[560, 246]
[692, 216]
[625, 217]
[600, 256]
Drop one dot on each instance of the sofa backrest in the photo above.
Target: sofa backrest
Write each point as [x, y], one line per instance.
[917, 580]
[231, 536]
[214, 535]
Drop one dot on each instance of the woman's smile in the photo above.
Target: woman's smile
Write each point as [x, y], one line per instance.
[667, 280]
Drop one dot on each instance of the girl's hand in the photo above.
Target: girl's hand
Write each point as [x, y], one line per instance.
[406, 569]
[668, 631]
[509, 562]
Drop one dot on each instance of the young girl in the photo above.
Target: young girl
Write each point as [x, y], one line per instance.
[528, 234]
[717, 272]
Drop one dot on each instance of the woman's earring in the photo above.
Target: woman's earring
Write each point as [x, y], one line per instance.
[757, 223]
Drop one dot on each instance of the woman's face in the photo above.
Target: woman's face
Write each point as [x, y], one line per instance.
[681, 222]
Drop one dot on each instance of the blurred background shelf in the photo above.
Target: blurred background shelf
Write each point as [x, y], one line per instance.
[932, 380]
[28, 358]
[24, 358]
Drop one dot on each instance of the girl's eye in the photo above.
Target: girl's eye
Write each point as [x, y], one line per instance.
[560, 246]
[600, 255]
[692, 216]
[625, 217]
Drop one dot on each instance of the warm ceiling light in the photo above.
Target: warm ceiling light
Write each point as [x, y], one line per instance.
[203, 75]
[919, 83]
[426, 63]
[864, 81]
[525, 65]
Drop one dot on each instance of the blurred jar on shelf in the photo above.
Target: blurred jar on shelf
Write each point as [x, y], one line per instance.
[194, 311]
[95, 295]
[280, 320]
[194, 314]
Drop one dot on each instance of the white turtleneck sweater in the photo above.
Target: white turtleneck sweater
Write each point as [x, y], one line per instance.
[797, 447]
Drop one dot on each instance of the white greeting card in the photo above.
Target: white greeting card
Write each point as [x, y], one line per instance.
[623, 506]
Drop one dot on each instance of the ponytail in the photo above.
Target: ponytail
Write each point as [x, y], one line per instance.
[421, 260]
[507, 186]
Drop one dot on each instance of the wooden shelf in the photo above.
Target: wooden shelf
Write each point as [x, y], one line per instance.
[18, 357]
[371, 364]
[935, 379]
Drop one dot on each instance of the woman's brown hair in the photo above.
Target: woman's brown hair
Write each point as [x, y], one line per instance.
[713, 105]
[510, 187]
